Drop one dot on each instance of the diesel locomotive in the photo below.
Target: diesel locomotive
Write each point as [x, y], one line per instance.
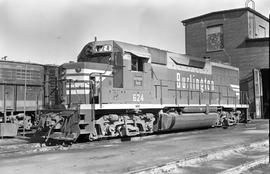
[119, 89]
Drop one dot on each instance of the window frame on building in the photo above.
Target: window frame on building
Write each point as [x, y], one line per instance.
[261, 32]
[220, 34]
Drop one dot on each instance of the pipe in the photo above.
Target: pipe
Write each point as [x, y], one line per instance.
[4, 100]
[253, 3]
[100, 90]
[69, 96]
[24, 106]
[161, 101]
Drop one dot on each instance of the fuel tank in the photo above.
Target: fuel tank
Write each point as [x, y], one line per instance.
[173, 121]
[200, 109]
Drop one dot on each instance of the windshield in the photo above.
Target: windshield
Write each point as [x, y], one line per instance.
[100, 58]
[87, 55]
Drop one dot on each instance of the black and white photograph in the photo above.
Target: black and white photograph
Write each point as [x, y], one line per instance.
[134, 87]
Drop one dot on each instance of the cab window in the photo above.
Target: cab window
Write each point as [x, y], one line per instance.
[137, 63]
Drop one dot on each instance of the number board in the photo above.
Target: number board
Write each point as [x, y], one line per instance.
[138, 81]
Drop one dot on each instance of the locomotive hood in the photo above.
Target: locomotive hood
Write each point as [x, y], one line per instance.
[110, 46]
[82, 70]
[137, 50]
[79, 66]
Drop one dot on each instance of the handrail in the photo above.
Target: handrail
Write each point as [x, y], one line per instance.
[226, 93]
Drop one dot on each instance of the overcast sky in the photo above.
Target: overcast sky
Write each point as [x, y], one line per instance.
[54, 31]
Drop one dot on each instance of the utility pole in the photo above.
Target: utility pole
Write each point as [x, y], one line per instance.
[268, 99]
[24, 106]
[4, 100]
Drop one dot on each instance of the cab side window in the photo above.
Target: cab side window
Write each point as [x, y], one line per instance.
[137, 63]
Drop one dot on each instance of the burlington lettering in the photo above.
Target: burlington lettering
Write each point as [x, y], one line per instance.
[191, 82]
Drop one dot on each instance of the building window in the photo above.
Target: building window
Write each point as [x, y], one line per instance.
[137, 63]
[214, 38]
[261, 31]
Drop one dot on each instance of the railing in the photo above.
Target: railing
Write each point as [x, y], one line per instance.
[204, 95]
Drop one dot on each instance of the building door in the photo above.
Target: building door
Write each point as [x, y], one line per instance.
[266, 93]
[257, 93]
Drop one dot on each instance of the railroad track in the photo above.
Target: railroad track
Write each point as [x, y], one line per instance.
[244, 157]
[13, 149]
[27, 148]
[234, 160]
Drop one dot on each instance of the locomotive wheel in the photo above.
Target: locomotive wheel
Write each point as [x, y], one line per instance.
[67, 143]
[92, 137]
[50, 143]
[225, 123]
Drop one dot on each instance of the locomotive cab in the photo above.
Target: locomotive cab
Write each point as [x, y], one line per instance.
[108, 72]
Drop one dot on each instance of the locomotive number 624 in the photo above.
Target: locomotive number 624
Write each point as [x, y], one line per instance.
[138, 97]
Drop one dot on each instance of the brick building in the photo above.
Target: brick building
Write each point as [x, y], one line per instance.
[239, 37]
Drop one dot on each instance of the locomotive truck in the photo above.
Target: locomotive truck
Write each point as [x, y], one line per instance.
[118, 89]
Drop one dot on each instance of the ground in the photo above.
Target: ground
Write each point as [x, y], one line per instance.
[122, 157]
